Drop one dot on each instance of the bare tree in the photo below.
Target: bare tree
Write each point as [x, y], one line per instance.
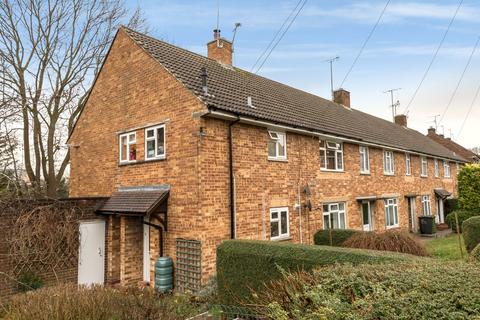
[51, 52]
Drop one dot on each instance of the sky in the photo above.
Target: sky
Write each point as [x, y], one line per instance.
[396, 56]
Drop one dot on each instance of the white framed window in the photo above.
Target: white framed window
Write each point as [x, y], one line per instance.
[279, 223]
[424, 167]
[408, 164]
[435, 162]
[446, 169]
[334, 216]
[128, 147]
[388, 163]
[155, 142]
[426, 209]
[277, 145]
[391, 213]
[331, 156]
[364, 160]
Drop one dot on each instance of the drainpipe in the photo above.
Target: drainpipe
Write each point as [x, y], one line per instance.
[231, 178]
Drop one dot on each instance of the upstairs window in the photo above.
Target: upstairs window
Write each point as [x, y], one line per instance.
[279, 225]
[128, 147]
[364, 160]
[446, 169]
[331, 156]
[424, 167]
[426, 206]
[277, 145]
[391, 213]
[408, 164]
[334, 215]
[388, 163]
[435, 162]
[155, 143]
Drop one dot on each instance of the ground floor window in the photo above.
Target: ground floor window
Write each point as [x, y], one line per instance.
[426, 206]
[391, 213]
[279, 223]
[334, 215]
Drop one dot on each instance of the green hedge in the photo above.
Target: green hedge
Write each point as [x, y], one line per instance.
[422, 290]
[471, 232]
[322, 237]
[462, 216]
[451, 205]
[243, 265]
[475, 254]
[468, 186]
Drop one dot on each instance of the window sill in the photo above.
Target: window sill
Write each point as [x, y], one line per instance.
[155, 159]
[365, 173]
[392, 227]
[423, 176]
[389, 174]
[277, 159]
[330, 170]
[123, 164]
[284, 238]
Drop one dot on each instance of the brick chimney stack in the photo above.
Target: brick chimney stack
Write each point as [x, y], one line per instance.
[220, 49]
[431, 131]
[401, 119]
[342, 96]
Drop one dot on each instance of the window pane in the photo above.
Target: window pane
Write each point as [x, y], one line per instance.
[274, 215]
[281, 146]
[322, 159]
[342, 220]
[339, 161]
[150, 148]
[325, 208]
[334, 207]
[331, 159]
[123, 150]
[341, 206]
[322, 143]
[150, 133]
[131, 137]
[160, 141]
[132, 152]
[274, 229]
[326, 224]
[284, 222]
[334, 220]
[272, 148]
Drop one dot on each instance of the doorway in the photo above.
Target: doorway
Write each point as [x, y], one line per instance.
[440, 218]
[367, 216]
[412, 215]
[91, 257]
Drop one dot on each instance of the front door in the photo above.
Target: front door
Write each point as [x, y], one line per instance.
[412, 214]
[146, 252]
[440, 218]
[91, 260]
[367, 216]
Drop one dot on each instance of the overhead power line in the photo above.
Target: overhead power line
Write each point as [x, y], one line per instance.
[469, 110]
[434, 57]
[459, 80]
[276, 35]
[365, 42]
[281, 36]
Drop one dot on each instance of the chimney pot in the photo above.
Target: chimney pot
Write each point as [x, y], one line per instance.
[431, 131]
[401, 119]
[342, 96]
[220, 49]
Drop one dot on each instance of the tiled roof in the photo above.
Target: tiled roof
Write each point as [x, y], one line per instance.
[229, 87]
[134, 202]
[455, 147]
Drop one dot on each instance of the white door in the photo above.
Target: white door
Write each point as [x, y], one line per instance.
[440, 215]
[146, 252]
[367, 216]
[413, 215]
[91, 260]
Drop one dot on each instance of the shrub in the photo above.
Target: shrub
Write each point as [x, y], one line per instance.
[475, 254]
[462, 216]
[71, 302]
[471, 232]
[243, 265]
[451, 205]
[398, 241]
[468, 186]
[414, 290]
[322, 237]
[29, 281]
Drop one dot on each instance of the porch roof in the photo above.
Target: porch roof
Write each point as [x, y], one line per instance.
[442, 193]
[136, 201]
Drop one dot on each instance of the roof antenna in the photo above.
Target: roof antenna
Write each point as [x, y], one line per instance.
[218, 21]
[237, 25]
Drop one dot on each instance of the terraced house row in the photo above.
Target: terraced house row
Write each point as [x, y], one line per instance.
[190, 151]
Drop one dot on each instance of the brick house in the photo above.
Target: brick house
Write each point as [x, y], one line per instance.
[193, 151]
[448, 143]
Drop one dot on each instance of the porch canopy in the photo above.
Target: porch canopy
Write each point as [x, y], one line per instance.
[442, 193]
[137, 201]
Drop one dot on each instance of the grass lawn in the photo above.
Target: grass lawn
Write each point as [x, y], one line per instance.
[446, 248]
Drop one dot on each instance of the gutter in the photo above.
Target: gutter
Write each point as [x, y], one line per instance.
[237, 118]
[231, 178]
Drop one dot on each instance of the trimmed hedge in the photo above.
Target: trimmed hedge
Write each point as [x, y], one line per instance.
[468, 186]
[475, 254]
[471, 232]
[420, 290]
[451, 205]
[245, 265]
[322, 237]
[462, 216]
